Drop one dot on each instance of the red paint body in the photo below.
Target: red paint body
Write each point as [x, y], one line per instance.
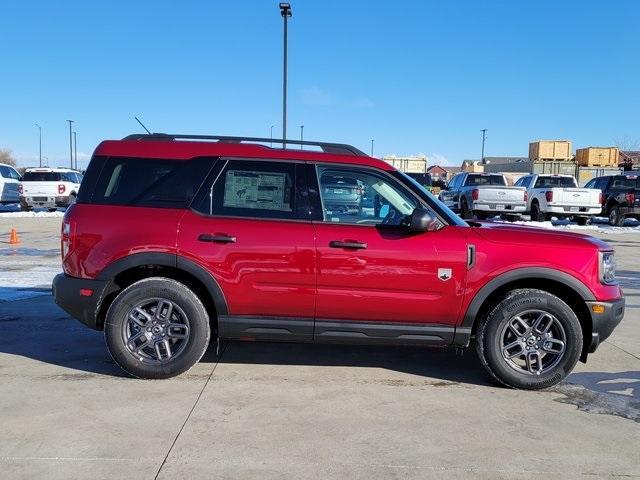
[286, 269]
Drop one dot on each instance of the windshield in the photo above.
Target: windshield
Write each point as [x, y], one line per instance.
[432, 201]
[41, 177]
[565, 182]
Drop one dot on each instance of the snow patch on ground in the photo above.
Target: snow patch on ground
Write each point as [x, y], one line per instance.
[13, 211]
[27, 274]
[598, 224]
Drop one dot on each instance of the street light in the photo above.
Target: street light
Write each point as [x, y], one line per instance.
[372, 147]
[484, 131]
[271, 137]
[40, 143]
[285, 11]
[70, 143]
[75, 149]
[301, 136]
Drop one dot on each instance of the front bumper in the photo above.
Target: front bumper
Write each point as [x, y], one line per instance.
[66, 293]
[604, 323]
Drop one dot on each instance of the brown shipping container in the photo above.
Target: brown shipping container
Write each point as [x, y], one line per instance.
[550, 150]
[597, 156]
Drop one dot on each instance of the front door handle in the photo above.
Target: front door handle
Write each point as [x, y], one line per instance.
[348, 244]
[222, 238]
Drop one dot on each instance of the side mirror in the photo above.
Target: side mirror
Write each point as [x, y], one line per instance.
[421, 220]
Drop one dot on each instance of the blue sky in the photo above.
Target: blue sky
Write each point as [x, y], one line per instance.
[416, 76]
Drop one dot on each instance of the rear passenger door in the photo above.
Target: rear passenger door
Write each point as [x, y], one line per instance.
[249, 226]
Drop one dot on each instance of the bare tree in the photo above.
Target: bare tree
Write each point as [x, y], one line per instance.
[6, 157]
[627, 144]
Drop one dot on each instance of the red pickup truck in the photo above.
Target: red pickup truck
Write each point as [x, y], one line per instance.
[175, 240]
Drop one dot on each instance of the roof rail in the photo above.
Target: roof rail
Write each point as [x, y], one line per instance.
[336, 148]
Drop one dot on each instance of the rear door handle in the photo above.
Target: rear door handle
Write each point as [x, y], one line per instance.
[348, 244]
[206, 237]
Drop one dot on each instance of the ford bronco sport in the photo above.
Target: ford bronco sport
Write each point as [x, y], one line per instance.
[175, 240]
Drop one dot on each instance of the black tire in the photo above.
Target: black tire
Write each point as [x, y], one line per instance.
[197, 320]
[482, 215]
[465, 213]
[518, 303]
[616, 219]
[25, 208]
[582, 221]
[536, 214]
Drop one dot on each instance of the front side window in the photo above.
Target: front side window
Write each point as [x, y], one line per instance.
[363, 197]
[8, 172]
[252, 189]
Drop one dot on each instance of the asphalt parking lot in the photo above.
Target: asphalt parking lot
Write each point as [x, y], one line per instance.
[296, 411]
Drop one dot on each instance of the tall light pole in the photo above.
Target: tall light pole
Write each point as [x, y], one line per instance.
[40, 143]
[75, 149]
[285, 11]
[372, 147]
[484, 131]
[70, 143]
[271, 137]
[301, 136]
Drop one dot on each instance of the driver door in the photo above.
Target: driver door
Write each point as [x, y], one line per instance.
[371, 268]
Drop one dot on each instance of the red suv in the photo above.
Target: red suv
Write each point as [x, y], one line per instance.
[175, 240]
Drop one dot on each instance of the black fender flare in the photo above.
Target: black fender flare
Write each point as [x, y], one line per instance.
[169, 260]
[525, 273]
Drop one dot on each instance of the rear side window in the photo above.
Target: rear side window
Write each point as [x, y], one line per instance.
[252, 189]
[550, 182]
[143, 182]
[485, 180]
[41, 177]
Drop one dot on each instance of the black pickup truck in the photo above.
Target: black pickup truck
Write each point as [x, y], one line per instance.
[620, 196]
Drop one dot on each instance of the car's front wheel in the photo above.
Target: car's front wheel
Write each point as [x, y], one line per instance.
[531, 340]
[156, 328]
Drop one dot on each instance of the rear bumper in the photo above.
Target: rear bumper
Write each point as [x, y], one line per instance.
[66, 293]
[630, 211]
[51, 201]
[604, 323]
[575, 210]
[496, 207]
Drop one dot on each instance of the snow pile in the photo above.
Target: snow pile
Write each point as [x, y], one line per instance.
[598, 224]
[39, 213]
[27, 273]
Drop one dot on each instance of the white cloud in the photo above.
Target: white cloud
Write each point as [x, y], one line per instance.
[315, 97]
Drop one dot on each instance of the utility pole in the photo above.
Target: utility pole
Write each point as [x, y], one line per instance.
[70, 143]
[75, 150]
[372, 147]
[484, 132]
[301, 136]
[285, 11]
[271, 137]
[40, 143]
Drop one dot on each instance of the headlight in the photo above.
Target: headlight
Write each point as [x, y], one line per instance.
[607, 268]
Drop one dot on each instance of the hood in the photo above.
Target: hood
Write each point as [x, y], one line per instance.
[507, 234]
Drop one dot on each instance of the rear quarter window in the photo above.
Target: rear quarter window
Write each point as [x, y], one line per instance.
[143, 182]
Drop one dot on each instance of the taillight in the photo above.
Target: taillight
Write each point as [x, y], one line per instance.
[549, 196]
[66, 239]
[61, 189]
[601, 198]
[630, 198]
[475, 194]
[526, 196]
[20, 189]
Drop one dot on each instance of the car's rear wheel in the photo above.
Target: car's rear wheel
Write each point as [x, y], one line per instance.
[465, 212]
[156, 328]
[616, 218]
[536, 214]
[531, 340]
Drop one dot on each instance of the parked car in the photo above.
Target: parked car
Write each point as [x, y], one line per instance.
[620, 196]
[559, 196]
[342, 194]
[172, 244]
[483, 194]
[9, 182]
[50, 188]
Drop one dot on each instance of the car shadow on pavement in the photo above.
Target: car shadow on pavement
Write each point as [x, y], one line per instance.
[439, 364]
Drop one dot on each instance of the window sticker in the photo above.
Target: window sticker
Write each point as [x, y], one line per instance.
[260, 190]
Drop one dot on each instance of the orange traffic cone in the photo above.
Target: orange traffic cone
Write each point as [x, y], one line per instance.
[13, 237]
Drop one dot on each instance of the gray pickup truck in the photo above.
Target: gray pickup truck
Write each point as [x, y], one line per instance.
[484, 195]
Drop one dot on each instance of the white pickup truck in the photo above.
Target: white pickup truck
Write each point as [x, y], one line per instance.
[50, 188]
[485, 195]
[559, 196]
